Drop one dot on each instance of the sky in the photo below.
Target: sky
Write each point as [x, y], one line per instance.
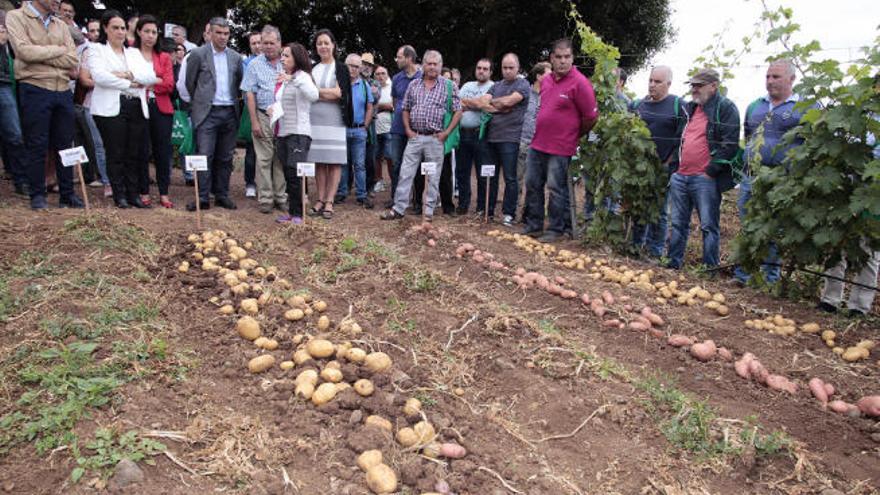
[840, 26]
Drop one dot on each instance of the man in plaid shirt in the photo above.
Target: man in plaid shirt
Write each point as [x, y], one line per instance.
[424, 108]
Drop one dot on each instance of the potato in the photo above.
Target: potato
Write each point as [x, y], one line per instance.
[810, 328]
[452, 451]
[678, 340]
[324, 394]
[870, 405]
[377, 362]
[320, 348]
[369, 458]
[412, 407]
[333, 364]
[828, 335]
[837, 350]
[852, 354]
[301, 356]
[260, 364]
[260, 342]
[287, 365]
[356, 355]
[227, 309]
[247, 264]
[294, 315]
[307, 376]
[363, 387]
[379, 422]
[712, 304]
[817, 388]
[719, 297]
[778, 382]
[332, 375]
[722, 310]
[323, 323]
[424, 431]
[241, 289]
[248, 327]
[842, 407]
[270, 344]
[319, 306]
[381, 479]
[725, 354]
[183, 267]
[407, 437]
[305, 390]
[866, 344]
[704, 351]
[342, 386]
[431, 450]
[250, 306]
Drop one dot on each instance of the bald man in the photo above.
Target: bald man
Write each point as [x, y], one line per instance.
[661, 112]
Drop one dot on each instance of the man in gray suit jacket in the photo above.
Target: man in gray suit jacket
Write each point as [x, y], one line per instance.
[213, 75]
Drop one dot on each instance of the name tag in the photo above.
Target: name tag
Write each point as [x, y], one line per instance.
[72, 156]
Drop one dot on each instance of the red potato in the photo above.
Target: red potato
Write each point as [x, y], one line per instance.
[568, 294]
[495, 265]
[869, 405]
[432, 242]
[478, 258]
[742, 366]
[644, 321]
[627, 307]
[704, 351]
[624, 298]
[645, 311]
[679, 340]
[560, 280]
[517, 279]
[656, 333]
[607, 297]
[638, 326]
[611, 323]
[758, 372]
[520, 271]
[829, 389]
[779, 382]
[452, 451]
[467, 247]
[725, 354]
[585, 298]
[488, 256]
[841, 407]
[817, 388]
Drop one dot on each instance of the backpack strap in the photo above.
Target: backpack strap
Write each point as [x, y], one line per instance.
[448, 96]
[676, 106]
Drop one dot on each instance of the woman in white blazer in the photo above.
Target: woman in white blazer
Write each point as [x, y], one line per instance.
[119, 106]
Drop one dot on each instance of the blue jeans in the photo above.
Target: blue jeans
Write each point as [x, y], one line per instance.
[10, 133]
[47, 124]
[687, 192]
[552, 170]
[503, 156]
[356, 142]
[771, 271]
[653, 237]
[100, 152]
[471, 152]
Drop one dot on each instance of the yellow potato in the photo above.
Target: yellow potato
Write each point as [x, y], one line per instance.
[323, 323]
[183, 267]
[719, 297]
[260, 364]
[810, 328]
[270, 344]
[319, 306]
[866, 344]
[412, 407]
[286, 365]
[261, 342]
[712, 304]
[369, 458]
[307, 376]
[320, 348]
[342, 386]
[248, 327]
[226, 309]
[264, 298]
[837, 350]
[332, 375]
[305, 390]
[297, 302]
[852, 354]
[379, 422]
[407, 437]
[377, 362]
[828, 335]
[333, 364]
[247, 264]
[250, 306]
[381, 479]
[356, 355]
[301, 356]
[294, 315]
[363, 387]
[324, 394]
[424, 431]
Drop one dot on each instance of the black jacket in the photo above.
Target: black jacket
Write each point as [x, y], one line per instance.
[344, 80]
[722, 132]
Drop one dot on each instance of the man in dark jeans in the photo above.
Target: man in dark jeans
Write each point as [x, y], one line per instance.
[406, 62]
[10, 125]
[46, 62]
[213, 76]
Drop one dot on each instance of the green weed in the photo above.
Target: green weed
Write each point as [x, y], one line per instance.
[421, 281]
[108, 447]
[102, 234]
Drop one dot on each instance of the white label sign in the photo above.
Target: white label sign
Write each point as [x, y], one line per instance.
[197, 163]
[168, 29]
[72, 156]
[305, 169]
[429, 168]
[487, 171]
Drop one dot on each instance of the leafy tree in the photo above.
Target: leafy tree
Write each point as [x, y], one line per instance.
[824, 202]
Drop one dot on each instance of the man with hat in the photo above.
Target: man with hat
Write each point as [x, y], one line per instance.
[368, 66]
[702, 166]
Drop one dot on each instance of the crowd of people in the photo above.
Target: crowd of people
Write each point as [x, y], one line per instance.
[114, 86]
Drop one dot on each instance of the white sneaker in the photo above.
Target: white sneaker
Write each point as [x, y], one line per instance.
[250, 192]
[507, 221]
[379, 187]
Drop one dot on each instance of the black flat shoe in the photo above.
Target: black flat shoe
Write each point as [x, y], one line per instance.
[203, 205]
[137, 203]
[225, 203]
[122, 204]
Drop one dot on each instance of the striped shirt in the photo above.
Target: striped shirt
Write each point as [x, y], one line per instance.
[259, 79]
[427, 107]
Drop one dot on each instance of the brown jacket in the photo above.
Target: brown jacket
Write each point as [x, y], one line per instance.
[44, 57]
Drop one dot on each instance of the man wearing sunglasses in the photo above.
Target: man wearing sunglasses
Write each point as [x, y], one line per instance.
[702, 167]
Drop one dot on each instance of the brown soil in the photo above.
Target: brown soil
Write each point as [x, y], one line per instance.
[528, 367]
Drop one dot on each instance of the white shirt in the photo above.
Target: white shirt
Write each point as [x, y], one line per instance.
[296, 97]
[222, 96]
[383, 118]
[181, 80]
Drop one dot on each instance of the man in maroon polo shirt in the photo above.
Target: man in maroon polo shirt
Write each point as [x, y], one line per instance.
[568, 111]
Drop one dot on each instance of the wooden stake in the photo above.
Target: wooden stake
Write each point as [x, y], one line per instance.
[198, 202]
[302, 191]
[487, 199]
[82, 183]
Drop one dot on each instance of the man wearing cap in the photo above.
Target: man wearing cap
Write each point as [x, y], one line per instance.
[45, 63]
[702, 167]
[356, 135]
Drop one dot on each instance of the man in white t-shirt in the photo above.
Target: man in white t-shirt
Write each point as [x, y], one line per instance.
[384, 112]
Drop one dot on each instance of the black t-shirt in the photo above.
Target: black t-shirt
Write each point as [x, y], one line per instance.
[662, 121]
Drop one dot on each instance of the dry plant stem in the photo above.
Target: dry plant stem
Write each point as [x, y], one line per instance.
[453, 332]
[288, 481]
[576, 430]
[183, 466]
[502, 480]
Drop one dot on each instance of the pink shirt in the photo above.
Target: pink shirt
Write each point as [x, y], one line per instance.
[565, 104]
[695, 155]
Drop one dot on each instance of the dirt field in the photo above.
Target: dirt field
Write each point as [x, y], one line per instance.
[107, 351]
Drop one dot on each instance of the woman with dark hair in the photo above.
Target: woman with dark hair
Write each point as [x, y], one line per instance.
[295, 95]
[146, 40]
[119, 106]
[330, 116]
